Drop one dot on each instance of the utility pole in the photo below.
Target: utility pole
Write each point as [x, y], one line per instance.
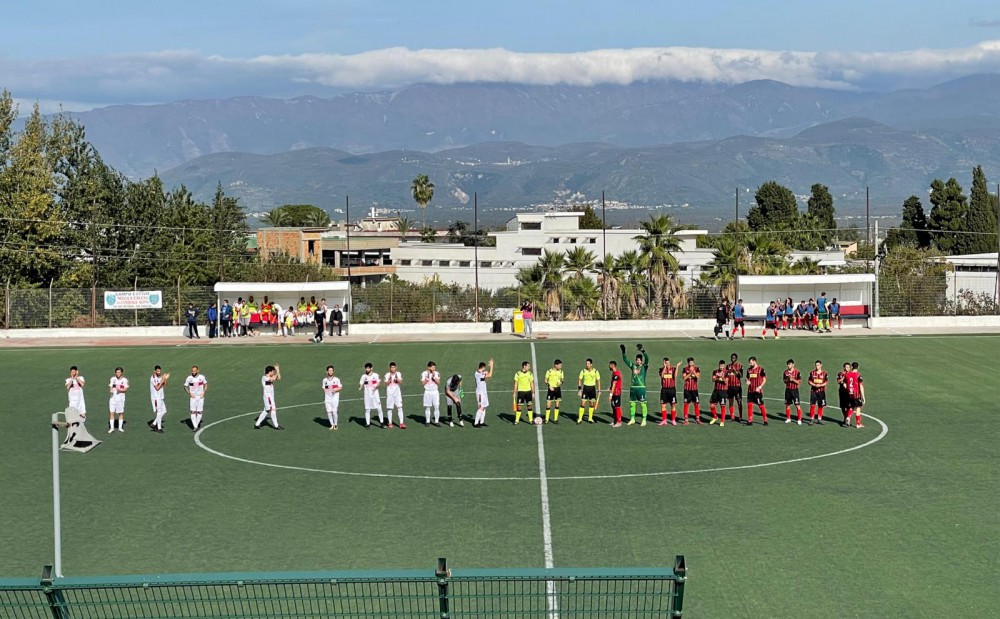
[868, 219]
[350, 299]
[475, 245]
[604, 258]
[737, 205]
[996, 298]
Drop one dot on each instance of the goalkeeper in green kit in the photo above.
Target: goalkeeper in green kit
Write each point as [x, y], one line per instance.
[637, 389]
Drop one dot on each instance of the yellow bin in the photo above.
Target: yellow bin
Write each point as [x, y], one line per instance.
[518, 322]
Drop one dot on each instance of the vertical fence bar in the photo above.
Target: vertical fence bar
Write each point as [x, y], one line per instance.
[443, 576]
[50, 303]
[54, 597]
[135, 287]
[93, 305]
[56, 499]
[680, 577]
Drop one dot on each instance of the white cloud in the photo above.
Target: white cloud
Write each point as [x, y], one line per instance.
[175, 75]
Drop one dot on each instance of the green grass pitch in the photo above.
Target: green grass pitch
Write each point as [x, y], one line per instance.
[905, 526]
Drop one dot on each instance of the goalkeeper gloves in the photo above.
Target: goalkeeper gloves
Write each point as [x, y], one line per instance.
[622, 346]
[639, 347]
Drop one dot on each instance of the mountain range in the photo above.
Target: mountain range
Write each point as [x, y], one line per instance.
[650, 144]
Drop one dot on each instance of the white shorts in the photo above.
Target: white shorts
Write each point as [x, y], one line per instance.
[159, 406]
[332, 405]
[393, 398]
[432, 398]
[372, 401]
[79, 405]
[117, 404]
[483, 399]
[269, 403]
[197, 405]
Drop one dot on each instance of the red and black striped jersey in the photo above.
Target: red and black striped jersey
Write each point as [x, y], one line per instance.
[616, 383]
[818, 380]
[793, 378]
[852, 381]
[668, 377]
[691, 378]
[735, 373]
[755, 378]
[720, 379]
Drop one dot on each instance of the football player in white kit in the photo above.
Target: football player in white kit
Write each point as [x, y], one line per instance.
[196, 385]
[483, 374]
[117, 387]
[431, 380]
[394, 394]
[331, 396]
[74, 387]
[272, 373]
[369, 383]
[157, 382]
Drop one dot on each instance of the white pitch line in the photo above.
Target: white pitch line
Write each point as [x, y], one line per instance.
[550, 586]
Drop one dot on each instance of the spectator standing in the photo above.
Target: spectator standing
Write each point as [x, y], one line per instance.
[226, 316]
[527, 315]
[191, 313]
[319, 315]
[213, 320]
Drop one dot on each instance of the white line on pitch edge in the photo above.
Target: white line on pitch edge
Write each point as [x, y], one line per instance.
[550, 589]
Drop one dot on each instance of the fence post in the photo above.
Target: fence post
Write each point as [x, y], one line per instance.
[434, 306]
[443, 574]
[93, 305]
[54, 596]
[680, 574]
[50, 303]
[178, 300]
[392, 285]
[135, 287]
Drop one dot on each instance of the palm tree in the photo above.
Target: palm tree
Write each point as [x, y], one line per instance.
[611, 283]
[276, 217]
[403, 225]
[728, 263]
[658, 241]
[428, 234]
[316, 219]
[552, 282]
[583, 298]
[767, 255]
[422, 191]
[632, 267]
[805, 266]
[578, 262]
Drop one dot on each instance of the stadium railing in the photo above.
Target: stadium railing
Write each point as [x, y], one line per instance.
[611, 593]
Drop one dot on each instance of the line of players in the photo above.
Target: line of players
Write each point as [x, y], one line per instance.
[727, 393]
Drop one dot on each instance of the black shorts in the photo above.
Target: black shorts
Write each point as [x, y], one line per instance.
[719, 397]
[845, 401]
[857, 403]
[523, 397]
[734, 393]
[668, 395]
[755, 397]
[691, 396]
[616, 400]
[554, 393]
[818, 398]
[792, 396]
[769, 324]
[589, 393]
[737, 321]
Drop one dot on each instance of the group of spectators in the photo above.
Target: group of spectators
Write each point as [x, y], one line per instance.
[250, 318]
[817, 315]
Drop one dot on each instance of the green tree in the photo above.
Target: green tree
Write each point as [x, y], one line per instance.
[297, 216]
[948, 217]
[578, 262]
[913, 228]
[403, 225]
[912, 282]
[730, 259]
[821, 213]
[590, 220]
[422, 191]
[229, 232]
[982, 216]
[631, 268]
[775, 205]
[277, 218]
[458, 232]
[658, 243]
[8, 114]
[428, 235]
[610, 282]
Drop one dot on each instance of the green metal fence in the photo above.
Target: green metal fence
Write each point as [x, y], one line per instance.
[620, 593]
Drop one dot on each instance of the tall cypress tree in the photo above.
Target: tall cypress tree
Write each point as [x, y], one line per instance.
[948, 217]
[982, 218]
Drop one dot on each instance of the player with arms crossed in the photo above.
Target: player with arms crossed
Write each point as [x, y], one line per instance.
[431, 380]
[734, 387]
[720, 394]
[818, 380]
[615, 391]
[588, 384]
[196, 386]
[668, 391]
[74, 388]
[856, 394]
[453, 397]
[394, 395]
[483, 374]
[554, 378]
[373, 401]
[691, 374]
[157, 382]
[117, 387]
[756, 379]
[272, 374]
[637, 388]
[844, 398]
[331, 397]
[792, 378]
[524, 389]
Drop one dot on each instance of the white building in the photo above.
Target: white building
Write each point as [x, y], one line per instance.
[976, 273]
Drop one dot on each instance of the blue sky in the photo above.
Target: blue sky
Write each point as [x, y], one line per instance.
[85, 54]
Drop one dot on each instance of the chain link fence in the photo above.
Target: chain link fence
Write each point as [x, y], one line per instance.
[938, 291]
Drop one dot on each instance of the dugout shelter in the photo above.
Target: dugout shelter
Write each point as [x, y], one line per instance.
[286, 294]
[854, 291]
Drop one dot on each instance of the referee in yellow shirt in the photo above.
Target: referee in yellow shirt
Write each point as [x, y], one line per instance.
[524, 389]
[588, 386]
[554, 378]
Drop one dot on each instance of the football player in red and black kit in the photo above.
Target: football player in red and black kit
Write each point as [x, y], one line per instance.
[792, 378]
[691, 376]
[734, 387]
[756, 379]
[818, 380]
[856, 394]
[720, 394]
[668, 392]
[615, 390]
[845, 399]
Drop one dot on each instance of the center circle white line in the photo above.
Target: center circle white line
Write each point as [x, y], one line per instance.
[202, 445]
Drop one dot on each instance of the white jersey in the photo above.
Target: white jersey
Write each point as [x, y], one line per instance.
[431, 380]
[370, 383]
[330, 384]
[196, 385]
[156, 387]
[75, 388]
[118, 386]
[392, 381]
[268, 386]
[481, 396]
